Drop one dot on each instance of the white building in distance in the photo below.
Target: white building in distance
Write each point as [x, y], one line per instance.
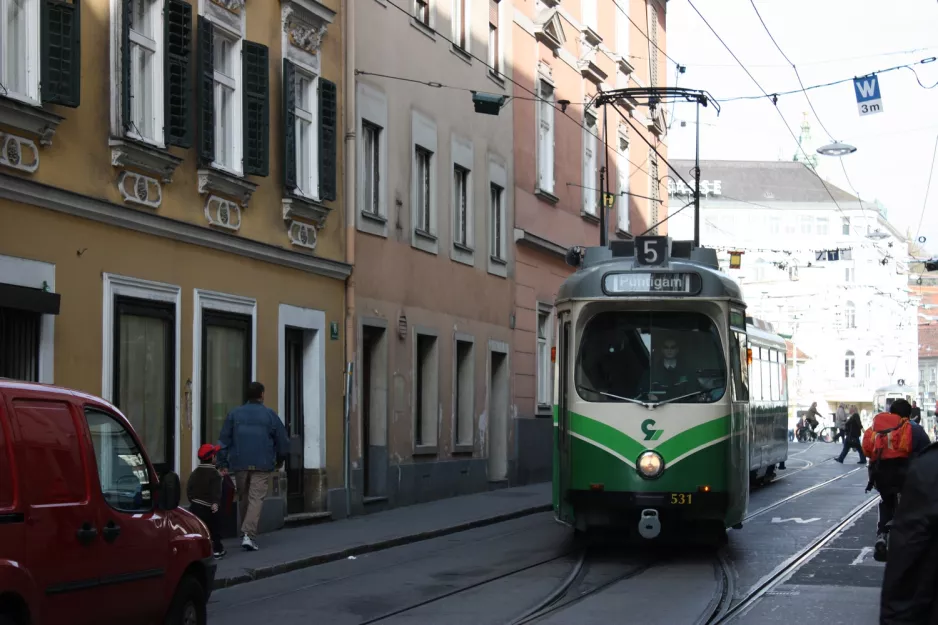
[826, 269]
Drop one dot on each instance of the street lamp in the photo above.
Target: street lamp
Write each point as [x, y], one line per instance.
[836, 149]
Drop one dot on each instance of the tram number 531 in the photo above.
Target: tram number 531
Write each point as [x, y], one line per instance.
[681, 499]
[651, 251]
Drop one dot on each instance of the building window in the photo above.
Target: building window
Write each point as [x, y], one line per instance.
[590, 19]
[371, 157]
[774, 224]
[465, 392]
[849, 274]
[462, 217]
[19, 344]
[807, 224]
[498, 222]
[850, 315]
[545, 137]
[590, 172]
[227, 59]
[850, 365]
[822, 226]
[426, 381]
[495, 61]
[845, 226]
[307, 137]
[461, 24]
[144, 373]
[543, 358]
[226, 368]
[146, 75]
[622, 27]
[422, 11]
[424, 163]
[19, 49]
[623, 170]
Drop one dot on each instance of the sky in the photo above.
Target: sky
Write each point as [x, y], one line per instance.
[827, 40]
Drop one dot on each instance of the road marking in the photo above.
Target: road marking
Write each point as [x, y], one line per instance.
[796, 519]
[863, 553]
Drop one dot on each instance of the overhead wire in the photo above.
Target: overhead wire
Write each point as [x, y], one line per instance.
[931, 171]
[644, 33]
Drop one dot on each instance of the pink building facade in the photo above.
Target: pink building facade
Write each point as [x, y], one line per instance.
[564, 52]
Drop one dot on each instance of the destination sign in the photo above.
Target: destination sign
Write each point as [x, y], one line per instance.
[617, 283]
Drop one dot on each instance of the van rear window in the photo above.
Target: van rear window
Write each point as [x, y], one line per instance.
[49, 447]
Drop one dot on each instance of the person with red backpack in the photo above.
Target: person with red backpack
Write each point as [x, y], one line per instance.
[889, 443]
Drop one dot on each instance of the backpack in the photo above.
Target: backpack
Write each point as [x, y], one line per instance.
[889, 438]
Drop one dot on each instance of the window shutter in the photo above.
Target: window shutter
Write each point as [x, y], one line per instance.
[328, 118]
[289, 127]
[127, 16]
[60, 74]
[256, 108]
[206, 92]
[177, 18]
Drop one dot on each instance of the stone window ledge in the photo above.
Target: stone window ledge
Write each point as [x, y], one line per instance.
[547, 196]
[153, 161]
[31, 120]
[303, 208]
[590, 217]
[218, 182]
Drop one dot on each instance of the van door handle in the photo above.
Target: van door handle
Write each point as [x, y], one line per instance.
[86, 534]
[111, 531]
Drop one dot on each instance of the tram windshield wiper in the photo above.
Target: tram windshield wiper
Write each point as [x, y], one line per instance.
[610, 395]
[674, 399]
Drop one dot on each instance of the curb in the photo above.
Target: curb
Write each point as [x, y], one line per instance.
[250, 575]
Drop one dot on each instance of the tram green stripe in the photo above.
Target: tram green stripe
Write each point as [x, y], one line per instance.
[673, 448]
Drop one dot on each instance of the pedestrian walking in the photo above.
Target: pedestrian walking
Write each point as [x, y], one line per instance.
[853, 430]
[254, 442]
[916, 415]
[840, 422]
[204, 491]
[911, 575]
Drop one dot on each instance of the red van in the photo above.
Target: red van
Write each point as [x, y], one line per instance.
[88, 534]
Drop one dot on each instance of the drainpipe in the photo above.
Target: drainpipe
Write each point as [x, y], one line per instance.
[351, 176]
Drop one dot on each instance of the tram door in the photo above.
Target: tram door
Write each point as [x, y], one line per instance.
[563, 408]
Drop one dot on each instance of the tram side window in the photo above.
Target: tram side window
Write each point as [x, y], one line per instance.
[773, 363]
[650, 356]
[741, 374]
[766, 367]
[756, 386]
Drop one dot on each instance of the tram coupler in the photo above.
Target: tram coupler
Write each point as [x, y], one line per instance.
[649, 526]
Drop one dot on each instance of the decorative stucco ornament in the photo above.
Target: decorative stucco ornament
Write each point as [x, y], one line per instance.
[305, 36]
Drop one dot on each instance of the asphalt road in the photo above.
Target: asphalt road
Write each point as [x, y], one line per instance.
[495, 574]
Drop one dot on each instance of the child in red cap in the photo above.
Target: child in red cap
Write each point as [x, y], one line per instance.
[204, 493]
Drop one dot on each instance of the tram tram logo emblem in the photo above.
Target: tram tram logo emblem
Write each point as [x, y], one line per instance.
[648, 429]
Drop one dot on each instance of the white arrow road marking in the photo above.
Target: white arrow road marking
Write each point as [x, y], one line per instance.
[863, 553]
[797, 519]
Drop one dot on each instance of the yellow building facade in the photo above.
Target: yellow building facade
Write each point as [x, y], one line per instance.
[172, 223]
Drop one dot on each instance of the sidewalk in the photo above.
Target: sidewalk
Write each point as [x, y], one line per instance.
[295, 548]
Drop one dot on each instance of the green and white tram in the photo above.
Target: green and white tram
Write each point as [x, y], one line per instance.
[768, 401]
[651, 392]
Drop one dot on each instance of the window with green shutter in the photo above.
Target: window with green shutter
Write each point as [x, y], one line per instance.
[127, 18]
[328, 121]
[178, 87]
[206, 92]
[256, 108]
[60, 81]
[289, 127]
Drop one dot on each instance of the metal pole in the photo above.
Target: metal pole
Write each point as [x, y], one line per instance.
[697, 182]
[347, 469]
[603, 185]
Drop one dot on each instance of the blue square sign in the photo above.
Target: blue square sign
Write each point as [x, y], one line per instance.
[869, 99]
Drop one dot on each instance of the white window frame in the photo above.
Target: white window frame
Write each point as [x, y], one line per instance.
[543, 370]
[35, 274]
[823, 226]
[590, 170]
[496, 57]
[313, 322]
[461, 444]
[155, 89]
[116, 285]
[458, 26]
[424, 135]
[431, 424]
[850, 365]
[430, 21]
[850, 316]
[545, 134]
[225, 302]
[498, 259]
[310, 117]
[233, 83]
[622, 27]
[589, 13]
[373, 107]
[33, 59]
[463, 156]
[623, 173]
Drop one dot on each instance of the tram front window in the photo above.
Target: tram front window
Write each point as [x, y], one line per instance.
[650, 357]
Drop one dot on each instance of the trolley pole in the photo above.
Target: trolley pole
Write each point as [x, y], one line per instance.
[604, 187]
[697, 182]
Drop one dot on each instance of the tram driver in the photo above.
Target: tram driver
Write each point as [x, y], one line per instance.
[675, 375]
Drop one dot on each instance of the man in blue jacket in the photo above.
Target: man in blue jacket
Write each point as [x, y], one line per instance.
[253, 442]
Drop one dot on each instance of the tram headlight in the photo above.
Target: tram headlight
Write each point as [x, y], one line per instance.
[650, 464]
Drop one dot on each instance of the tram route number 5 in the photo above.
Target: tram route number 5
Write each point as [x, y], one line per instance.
[651, 251]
